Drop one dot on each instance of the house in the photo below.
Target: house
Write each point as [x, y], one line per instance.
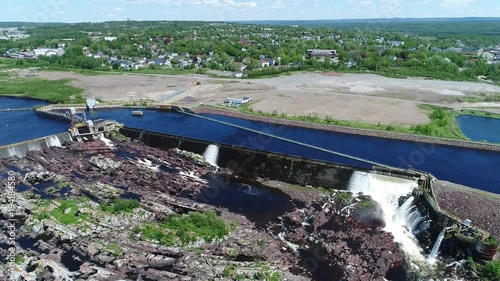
[110, 38]
[171, 55]
[121, 63]
[396, 43]
[322, 54]
[48, 52]
[245, 42]
[236, 102]
[488, 54]
[264, 63]
[159, 62]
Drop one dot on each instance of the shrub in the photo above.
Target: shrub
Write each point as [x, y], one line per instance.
[185, 229]
[491, 271]
[121, 206]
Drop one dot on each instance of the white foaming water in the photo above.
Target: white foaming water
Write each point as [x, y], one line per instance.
[212, 154]
[387, 191]
[435, 249]
[108, 142]
[250, 190]
[53, 141]
[13, 151]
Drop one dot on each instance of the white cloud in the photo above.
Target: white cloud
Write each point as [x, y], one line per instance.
[15, 9]
[110, 15]
[279, 4]
[457, 3]
[196, 3]
[119, 9]
[361, 2]
[59, 12]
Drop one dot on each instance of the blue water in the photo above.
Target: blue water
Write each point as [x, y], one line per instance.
[475, 168]
[480, 128]
[16, 126]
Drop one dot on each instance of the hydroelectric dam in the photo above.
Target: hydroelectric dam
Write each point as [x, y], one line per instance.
[406, 196]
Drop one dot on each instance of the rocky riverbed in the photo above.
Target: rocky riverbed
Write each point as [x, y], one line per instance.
[125, 211]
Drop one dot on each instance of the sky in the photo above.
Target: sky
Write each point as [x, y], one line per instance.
[233, 10]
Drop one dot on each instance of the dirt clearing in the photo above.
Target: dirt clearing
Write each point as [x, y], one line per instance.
[360, 97]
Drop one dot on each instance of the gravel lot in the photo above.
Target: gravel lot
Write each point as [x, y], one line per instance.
[361, 97]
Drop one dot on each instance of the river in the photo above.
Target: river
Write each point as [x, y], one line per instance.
[474, 168]
[17, 126]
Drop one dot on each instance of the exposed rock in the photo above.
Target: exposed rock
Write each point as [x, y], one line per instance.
[106, 165]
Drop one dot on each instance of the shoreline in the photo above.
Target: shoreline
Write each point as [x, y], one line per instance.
[349, 130]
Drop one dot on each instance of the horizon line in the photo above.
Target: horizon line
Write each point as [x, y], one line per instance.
[257, 20]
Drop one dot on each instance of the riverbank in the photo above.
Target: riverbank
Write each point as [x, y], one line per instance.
[348, 130]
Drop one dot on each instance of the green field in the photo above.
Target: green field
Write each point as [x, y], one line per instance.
[54, 91]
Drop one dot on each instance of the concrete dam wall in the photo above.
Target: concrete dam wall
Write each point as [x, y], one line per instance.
[253, 163]
[19, 149]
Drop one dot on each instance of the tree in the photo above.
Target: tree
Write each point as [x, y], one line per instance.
[491, 271]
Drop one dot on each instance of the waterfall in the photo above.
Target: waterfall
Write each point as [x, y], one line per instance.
[14, 151]
[108, 142]
[387, 191]
[53, 141]
[212, 154]
[435, 248]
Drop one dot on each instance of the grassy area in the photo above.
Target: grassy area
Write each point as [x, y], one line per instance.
[481, 97]
[184, 229]
[114, 249]
[120, 206]
[54, 91]
[443, 123]
[489, 271]
[262, 273]
[67, 212]
[19, 259]
[479, 113]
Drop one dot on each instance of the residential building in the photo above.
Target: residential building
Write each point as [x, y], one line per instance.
[318, 53]
[264, 63]
[396, 43]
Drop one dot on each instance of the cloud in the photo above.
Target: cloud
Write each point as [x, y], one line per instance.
[280, 4]
[59, 12]
[119, 9]
[454, 4]
[196, 3]
[361, 2]
[15, 9]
